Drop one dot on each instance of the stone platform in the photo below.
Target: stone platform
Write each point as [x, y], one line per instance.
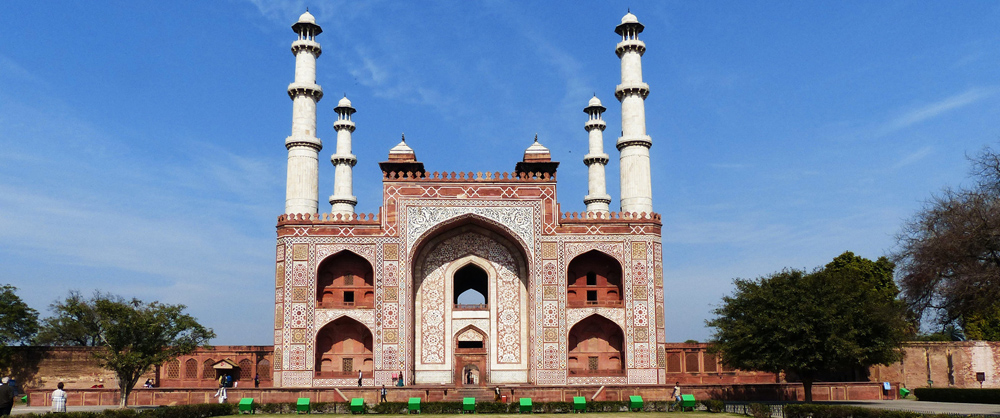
[848, 391]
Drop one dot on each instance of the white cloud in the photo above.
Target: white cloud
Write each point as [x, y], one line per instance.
[938, 108]
[914, 157]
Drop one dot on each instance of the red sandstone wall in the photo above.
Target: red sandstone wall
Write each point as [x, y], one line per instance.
[930, 361]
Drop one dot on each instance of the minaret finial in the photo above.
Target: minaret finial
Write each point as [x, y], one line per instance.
[403, 135]
[536, 137]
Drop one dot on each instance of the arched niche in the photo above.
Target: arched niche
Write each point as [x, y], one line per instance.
[343, 347]
[345, 280]
[596, 348]
[471, 287]
[594, 279]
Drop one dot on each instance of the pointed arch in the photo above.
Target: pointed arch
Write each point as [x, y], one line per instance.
[595, 347]
[343, 348]
[469, 222]
[345, 279]
[594, 278]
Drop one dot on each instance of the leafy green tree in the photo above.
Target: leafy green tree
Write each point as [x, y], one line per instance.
[840, 317]
[74, 321]
[983, 324]
[949, 256]
[18, 323]
[137, 336]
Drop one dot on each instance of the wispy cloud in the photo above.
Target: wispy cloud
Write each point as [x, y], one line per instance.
[914, 157]
[935, 109]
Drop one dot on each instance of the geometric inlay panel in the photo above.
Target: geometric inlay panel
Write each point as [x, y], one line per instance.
[300, 252]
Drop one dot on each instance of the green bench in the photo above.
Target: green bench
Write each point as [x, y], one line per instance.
[525, 405]
[357, 405]
[634, 402]
[580, 404]
[302, 406]
[468, 405]
[688, 401]
[246, 406]
[414, 405]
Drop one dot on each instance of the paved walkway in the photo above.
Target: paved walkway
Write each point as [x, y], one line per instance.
[926, 407]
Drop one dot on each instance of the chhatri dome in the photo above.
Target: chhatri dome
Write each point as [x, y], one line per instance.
[628, 18]
[309, 18]
[344, 102]
[594, 102]
[537, 152]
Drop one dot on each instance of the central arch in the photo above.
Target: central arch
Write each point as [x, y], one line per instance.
[455, 260]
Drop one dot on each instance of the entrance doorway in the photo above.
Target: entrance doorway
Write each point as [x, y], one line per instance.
[470, 358]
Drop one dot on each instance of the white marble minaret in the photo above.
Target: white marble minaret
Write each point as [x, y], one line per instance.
[343, 200]
[302, 189]
[637, 192]
[597, 199]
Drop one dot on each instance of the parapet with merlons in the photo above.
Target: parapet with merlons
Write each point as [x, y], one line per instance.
[467, 176]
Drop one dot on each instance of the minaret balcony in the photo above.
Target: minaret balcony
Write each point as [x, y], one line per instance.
[595, 158]
[303, 141]
[595, 124]
[630, 45]
[597, 198]
[642, 89]
[305, 89]
[308, 45]
[642, 141]
[349, 159]
[344, 124]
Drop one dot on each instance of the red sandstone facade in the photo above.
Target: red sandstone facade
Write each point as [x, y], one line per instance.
[567, 298]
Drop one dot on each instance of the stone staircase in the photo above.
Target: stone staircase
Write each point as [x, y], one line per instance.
[482, 394]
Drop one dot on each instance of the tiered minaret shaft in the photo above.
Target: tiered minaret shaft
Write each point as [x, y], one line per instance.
[302, 188]
[343, 200]
[636, 190]
[597, 199]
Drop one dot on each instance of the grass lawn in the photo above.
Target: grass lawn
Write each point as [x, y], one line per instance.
[589, 414]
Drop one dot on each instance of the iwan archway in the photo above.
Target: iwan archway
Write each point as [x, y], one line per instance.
[452, 331]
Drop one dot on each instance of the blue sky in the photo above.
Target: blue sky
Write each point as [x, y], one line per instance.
[142, 143]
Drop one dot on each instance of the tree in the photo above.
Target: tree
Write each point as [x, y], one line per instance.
[137, 336]
[18, 322]
[74, 321]
[839, 317]
[949, 256]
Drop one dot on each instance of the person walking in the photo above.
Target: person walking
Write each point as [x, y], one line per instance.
[360, 376]
[59, 399]
[496, 394]
[6, 397]
[384, 392]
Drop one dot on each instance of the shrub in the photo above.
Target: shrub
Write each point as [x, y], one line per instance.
[182, 411]
[991, 396]
[714, 405]
[759, 410]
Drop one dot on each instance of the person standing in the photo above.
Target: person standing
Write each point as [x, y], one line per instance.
[677, 395]
[384, 392]
[360, 376]
[496, 394]
[59, 399]
[256, 380]
[6, 397]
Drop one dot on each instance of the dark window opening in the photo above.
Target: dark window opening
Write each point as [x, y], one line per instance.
[470, 344]
[591, 278]
[591, 296]
[348, 297]
[473, 278]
